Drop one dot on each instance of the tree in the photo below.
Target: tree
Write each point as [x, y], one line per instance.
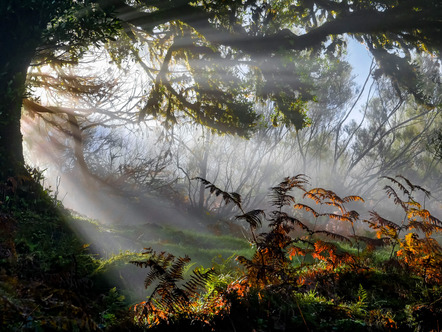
[270, 37]
[32, 33]
[215, 39]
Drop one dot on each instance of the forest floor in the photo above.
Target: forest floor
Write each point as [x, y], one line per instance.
[62, 271]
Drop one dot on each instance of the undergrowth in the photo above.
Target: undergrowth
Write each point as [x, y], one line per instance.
[45, 271]
[305, 275]
[309, 263]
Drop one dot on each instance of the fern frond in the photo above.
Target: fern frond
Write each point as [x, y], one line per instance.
[334, 236]
[400, 185]
[338, 205]
[408, 182]
[352, 215]
[313, 197]
[296, 251]
[337, 217]
[414, 187]
[198, 280]
[204, 181]
[391, 192]
[353, 198]
[280, 217]
[301, 225]
[413, 204]
[177, 268]
[227, 197]
[317, 194]
[297, 181]
[331, 195]
[253, 218]
[279, 193]
[425, 191]
[434, 220]
[154, 274]
[236, 198]
[378, 220]
[306, 208]
[426, 228]
[280, 198]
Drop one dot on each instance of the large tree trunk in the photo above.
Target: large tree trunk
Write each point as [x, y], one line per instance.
[12, 88]
[20, 34]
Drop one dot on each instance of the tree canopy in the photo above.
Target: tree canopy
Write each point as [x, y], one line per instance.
[215, 59]
[271, 38]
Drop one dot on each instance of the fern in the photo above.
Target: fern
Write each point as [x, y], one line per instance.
[306, 208]
[253, 218]
[279, 194]
[400, 185]
[226, 196]
[334, 236]
[422, 255]
[397, 200]
[173, 296]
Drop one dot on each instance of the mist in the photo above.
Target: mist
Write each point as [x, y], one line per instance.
[134, 176]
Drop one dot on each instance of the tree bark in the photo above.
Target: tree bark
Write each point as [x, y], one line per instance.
[21, 31]
[12, 90]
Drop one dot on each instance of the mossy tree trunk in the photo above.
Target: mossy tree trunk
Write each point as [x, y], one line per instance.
[12, 87]
[20, 36]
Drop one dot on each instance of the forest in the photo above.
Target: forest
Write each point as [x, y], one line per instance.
[208, 165]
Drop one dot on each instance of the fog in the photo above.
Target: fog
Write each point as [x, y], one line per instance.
[122, 172]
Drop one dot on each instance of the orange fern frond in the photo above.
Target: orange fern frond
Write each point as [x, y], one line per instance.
[353, 198]
[318, 192]
[313, 197]
[352, 215]
[426, 228]
[417, 213]
[338, 205]
[306, 208]
[334, 197]
[337, 217]
[296, 251]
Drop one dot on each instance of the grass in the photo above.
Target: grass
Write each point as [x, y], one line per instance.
[113, 247]
[56, 277]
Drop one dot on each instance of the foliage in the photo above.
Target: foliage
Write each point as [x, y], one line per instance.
[173, 301]
[45, 271]
[306, 277]
[418, 250]
[207, 38]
